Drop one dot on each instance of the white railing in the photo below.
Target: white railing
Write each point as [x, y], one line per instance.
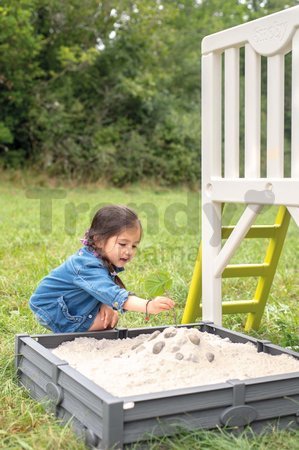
[272, 37]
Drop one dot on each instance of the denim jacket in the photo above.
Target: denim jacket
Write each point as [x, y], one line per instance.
[69, 298]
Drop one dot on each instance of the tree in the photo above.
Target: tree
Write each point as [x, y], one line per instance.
[108, 89]
[19, 68]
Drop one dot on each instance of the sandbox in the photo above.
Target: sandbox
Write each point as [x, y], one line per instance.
[105, 420]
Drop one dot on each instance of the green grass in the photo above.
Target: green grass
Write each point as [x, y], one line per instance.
[33, 240]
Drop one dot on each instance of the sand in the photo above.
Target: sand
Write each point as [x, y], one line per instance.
[175, 358]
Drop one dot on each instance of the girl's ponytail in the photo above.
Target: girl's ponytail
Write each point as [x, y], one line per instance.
[88, 241]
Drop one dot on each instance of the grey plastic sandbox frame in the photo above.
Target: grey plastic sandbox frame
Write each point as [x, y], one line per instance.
[105, 421]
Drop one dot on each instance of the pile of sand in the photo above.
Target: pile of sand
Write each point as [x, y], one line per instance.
[174, 358]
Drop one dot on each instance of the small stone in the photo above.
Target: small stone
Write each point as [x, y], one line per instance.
[134, 346]
[154, 335]
[157, 347]
[179, 356]
[193, 358]
[175, 348]
[194, 338]
[170, 332]
[181, 341]
[210, 356]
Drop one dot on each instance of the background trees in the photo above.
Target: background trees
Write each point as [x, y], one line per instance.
[108, 90]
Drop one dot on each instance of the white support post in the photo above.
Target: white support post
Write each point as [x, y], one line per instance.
[295, 107]
[233, 242]
[211, 165]
[275, 116]
[294, 211]
[231, 113]
[252, 112]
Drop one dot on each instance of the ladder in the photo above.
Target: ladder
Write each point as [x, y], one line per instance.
[265, 272]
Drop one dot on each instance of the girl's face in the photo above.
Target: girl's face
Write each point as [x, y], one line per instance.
[122, 248]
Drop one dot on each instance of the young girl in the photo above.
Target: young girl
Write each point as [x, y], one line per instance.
[85, 293]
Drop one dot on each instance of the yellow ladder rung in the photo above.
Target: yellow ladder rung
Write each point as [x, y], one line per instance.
[256, 231]
[240, 306]
[237, 307]
[245, 270]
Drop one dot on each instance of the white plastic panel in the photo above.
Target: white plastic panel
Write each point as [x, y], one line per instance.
[268, 35]
[295, 107]
[231, 113]
[294, 213]
[211, 119]
[252, 112]
[261, 191]
[275, 116]
[211, 166]
[233, 242]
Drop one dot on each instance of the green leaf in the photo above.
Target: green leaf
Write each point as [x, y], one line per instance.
[157, 284]
[5, 134]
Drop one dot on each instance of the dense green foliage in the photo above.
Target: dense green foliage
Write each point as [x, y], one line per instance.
[108, 90]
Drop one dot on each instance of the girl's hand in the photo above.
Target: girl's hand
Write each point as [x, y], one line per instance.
[159, 304]
[108, 316]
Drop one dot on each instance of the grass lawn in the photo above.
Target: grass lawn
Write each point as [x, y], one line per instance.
[40, 228]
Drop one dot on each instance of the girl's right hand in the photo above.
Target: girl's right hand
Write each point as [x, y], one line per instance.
[160, 304]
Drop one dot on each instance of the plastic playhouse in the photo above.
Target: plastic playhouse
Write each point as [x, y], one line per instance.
[271, 37]
[107, 421]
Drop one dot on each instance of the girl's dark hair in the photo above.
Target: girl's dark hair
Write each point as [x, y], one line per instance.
[110, 221]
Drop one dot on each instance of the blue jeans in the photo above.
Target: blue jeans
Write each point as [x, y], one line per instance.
[59, 320]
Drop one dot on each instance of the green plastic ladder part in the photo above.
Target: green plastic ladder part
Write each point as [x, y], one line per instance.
[265, 273]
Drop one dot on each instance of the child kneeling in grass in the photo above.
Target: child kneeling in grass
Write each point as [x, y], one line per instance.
[85, 292]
